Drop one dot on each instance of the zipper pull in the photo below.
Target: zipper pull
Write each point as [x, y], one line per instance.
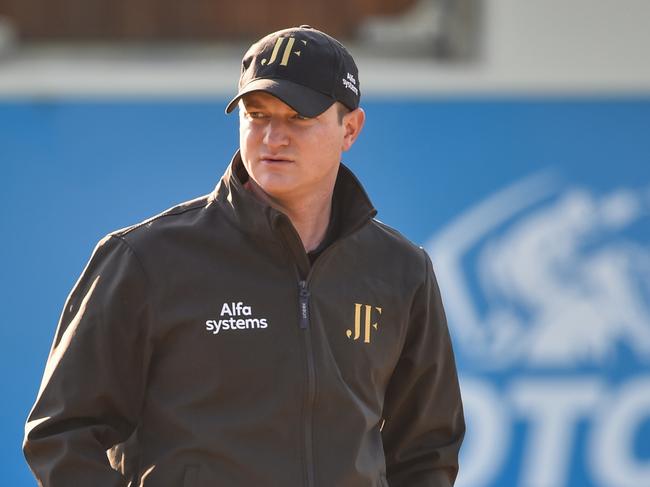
[303, 302]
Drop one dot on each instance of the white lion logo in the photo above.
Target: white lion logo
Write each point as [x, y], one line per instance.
[557, 282]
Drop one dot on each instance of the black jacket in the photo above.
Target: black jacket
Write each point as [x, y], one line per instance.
[201, 348]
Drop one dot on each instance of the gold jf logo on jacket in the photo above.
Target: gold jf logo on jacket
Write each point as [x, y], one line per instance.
[358, 307]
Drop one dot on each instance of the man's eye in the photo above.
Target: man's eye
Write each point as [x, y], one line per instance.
[253, 114]
[297, 116]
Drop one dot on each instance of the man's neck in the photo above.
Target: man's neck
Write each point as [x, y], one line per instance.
[310, 217]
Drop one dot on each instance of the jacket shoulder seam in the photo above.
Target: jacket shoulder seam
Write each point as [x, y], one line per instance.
[147, 278]
[397, 234]
[167, 213]
[135, 255]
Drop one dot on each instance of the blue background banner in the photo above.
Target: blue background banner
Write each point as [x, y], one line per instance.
[536, 212]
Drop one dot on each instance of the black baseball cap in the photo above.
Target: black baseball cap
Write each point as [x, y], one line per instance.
[304, 67]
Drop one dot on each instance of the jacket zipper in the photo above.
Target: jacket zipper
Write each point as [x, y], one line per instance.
[303, 309]
[303, 303]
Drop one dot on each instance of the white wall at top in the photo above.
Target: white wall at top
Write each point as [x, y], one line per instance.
[529, 46]
[569, 39]
[540, 46]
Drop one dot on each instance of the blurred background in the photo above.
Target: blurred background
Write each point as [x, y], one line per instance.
[509, 138]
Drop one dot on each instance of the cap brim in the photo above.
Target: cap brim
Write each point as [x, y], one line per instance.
[305, 101]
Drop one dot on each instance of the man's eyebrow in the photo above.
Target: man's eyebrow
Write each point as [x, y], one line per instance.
[252, 104]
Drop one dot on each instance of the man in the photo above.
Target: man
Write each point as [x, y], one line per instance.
[271, 333]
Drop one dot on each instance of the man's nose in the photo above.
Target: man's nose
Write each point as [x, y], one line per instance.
[276, 133]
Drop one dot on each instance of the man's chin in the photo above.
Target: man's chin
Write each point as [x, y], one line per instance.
[274, 188]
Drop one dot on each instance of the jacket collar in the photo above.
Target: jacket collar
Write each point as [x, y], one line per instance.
[254, 216]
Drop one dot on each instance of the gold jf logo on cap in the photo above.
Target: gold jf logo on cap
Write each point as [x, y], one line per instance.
[304, 67]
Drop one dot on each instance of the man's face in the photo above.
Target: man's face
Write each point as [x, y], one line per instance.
[287, 155]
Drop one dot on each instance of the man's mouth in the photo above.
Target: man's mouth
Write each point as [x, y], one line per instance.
[275, 160]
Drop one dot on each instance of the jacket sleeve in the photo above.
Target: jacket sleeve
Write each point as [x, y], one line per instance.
[423, 414]
[93, 385]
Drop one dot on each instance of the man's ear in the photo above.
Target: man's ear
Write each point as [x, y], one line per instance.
[352, 124]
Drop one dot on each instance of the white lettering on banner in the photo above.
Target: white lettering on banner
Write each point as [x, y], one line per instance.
[545, 285]
[552, 410]
[486, 446]
[612, 445]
